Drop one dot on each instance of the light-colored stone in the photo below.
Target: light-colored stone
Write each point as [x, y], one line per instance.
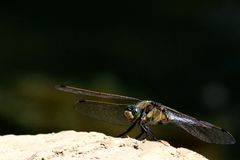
[71, 145]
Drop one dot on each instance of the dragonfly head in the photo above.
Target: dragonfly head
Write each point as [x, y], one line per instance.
[132, 112]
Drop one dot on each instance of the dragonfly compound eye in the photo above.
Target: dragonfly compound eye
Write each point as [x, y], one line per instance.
[132, 112]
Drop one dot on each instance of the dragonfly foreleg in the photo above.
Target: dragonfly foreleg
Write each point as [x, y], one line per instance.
[129, 129]
[139, 135]
[147, 130]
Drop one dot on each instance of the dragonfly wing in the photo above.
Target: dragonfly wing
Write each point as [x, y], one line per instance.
[203, 130]
[94, 94]
[104, 111]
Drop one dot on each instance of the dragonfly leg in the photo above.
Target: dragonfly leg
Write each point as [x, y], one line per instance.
[129, 129]
[138, 136]
[147, 130]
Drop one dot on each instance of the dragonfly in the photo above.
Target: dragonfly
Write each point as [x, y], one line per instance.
[121, 109]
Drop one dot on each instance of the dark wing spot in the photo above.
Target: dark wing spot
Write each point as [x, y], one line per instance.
[81, 101]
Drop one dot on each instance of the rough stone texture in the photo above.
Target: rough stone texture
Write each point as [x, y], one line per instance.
[71, 145]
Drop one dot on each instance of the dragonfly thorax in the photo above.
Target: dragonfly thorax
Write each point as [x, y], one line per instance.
[132, 112]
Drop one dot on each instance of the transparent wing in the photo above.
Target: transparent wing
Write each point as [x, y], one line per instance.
[84, 92]
[203, 130]
[104, 111]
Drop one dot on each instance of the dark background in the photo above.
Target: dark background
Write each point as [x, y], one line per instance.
[183, 54]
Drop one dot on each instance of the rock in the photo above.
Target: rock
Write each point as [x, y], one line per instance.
[71, 145]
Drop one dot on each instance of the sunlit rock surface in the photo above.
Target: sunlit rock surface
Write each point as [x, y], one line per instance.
[71, 145]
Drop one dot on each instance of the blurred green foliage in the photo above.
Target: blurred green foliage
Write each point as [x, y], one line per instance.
[183, 54]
